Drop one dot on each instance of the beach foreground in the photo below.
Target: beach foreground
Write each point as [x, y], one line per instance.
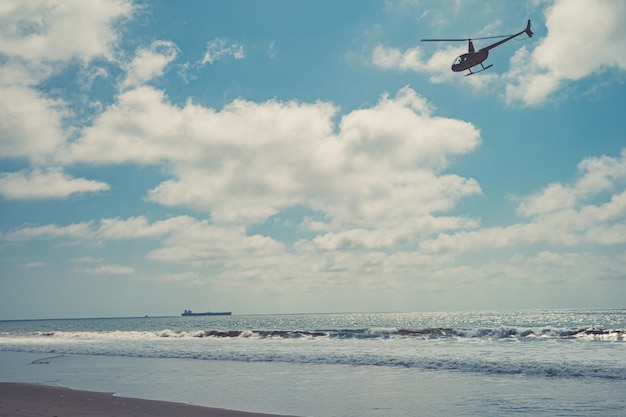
[29, 400]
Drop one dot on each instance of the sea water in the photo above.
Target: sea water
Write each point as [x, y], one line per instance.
[539, 363]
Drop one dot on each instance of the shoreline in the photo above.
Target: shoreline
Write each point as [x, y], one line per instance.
[30, 400]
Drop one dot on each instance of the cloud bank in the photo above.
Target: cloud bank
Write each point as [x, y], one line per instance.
[369, 197]
[37, 40]
[41, 185]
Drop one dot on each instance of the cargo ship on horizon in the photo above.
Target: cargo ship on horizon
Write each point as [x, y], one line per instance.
[187, 313]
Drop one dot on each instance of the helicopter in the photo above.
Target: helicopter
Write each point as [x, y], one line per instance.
[473, 58]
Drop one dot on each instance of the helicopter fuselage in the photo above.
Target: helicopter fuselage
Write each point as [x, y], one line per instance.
[468, 60]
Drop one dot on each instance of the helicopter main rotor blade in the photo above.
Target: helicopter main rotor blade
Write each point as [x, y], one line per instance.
[464, 39]
[491, 37]
[445, 40]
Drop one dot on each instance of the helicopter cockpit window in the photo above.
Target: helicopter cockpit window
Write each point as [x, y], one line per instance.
[457, 61]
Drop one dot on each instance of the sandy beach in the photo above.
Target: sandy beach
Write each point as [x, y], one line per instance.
[30, 400]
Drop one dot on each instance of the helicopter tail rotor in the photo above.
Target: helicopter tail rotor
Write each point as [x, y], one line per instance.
[528, 31]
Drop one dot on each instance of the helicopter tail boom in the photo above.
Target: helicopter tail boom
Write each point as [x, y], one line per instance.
[527, 31]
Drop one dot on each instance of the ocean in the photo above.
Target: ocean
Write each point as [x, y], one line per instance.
[487, 363]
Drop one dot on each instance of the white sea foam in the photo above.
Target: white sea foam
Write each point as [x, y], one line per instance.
[480, 355]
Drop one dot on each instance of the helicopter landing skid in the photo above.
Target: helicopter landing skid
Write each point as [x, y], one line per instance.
[476, 72]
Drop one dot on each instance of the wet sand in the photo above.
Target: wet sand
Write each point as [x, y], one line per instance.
[30, 400]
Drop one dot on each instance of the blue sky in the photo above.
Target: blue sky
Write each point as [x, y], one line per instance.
[310, 156]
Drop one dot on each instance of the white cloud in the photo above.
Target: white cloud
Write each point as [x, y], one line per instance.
[522, 276]
[271, 50]
[389, 239]
[49, 231]
[59, 30]
[226, 249]
[228, 255]
[105, 229]
[190, 278]
[389, 58]
[560, 214]
[596, 224]
[30, 124]
[106, 270]
[37, 38]
[553, 197]
[142, 127]
[206, 244]
[251, 160]
[149, 63]
[219, 48]
[139, 128]
[34, 264]
[45, 184]
[438, 66]
[597, 175]
[87, 259]
[140, 227]
[584, 37]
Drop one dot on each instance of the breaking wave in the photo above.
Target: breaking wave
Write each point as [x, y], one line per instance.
[614, 335]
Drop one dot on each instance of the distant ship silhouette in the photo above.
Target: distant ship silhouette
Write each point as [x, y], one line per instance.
[208, 313]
